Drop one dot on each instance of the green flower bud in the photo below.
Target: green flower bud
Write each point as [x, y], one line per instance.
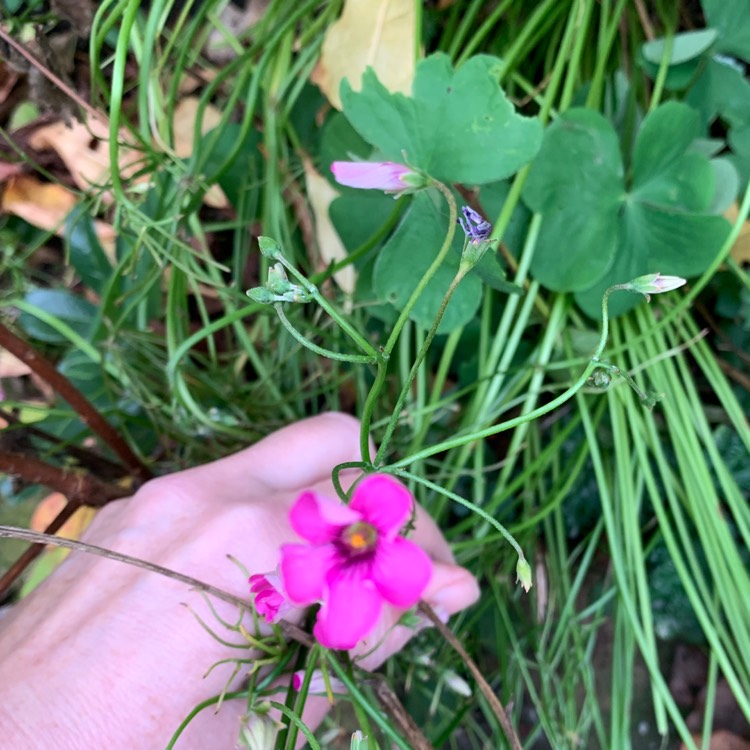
[523, 574]
[269, 247]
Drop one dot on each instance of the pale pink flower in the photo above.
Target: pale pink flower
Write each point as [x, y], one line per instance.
[270, 601]
[354, 559]
[377, 175]
[654, 283]
[317, 684]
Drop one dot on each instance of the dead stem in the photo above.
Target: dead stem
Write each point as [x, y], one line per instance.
[483, 685]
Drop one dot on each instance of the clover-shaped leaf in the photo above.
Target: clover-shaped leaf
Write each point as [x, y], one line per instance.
[598, 229]
[457, 126]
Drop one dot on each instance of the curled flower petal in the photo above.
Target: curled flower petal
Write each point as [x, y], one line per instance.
[270, 600]
[350, 611]
[318, 519]
[304, 570]
[401, 571]
[383, 502]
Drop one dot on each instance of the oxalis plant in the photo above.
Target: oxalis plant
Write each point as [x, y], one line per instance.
[547, 167]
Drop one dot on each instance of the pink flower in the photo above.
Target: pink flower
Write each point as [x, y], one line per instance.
[270, 601]
[377, 175]
[354, 560]
[317, 684]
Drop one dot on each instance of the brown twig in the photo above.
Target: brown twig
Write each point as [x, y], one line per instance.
[483, 685]
[12, 574]
[88, 459]
[56, 80]
[36, 538]
[85, 409]
[77, 486]
[80, 489]
[395, 709]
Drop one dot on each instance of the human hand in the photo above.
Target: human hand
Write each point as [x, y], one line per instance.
[104, 654]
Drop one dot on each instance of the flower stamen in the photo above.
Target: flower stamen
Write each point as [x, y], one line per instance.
[359, 538]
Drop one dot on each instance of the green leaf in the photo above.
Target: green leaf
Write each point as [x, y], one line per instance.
[727, 181]
[491, 272]
[598, 232]
[721, 90]
[457, 126]
[74, 311]
[576, 182]
[407, 255]
[678, 77]
[731, 18]
[86, 253]
[685, 46]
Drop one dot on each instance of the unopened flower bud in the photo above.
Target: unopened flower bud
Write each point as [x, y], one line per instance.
[654, 283]
[259, 733]
[457, 684]
[523, 574]
[380, 175]
[269, 247]
[262, 295]
[359, 742]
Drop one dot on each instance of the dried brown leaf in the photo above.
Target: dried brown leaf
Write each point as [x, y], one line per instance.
[46, 205]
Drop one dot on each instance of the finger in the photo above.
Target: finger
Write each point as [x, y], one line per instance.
[292, 458]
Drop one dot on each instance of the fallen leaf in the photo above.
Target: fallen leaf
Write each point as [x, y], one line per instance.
[321, 194]
[46, 205]
[52, 556]
[741, 248]
[50, 507]
[84, 147]
[370, 33]
[185, 116]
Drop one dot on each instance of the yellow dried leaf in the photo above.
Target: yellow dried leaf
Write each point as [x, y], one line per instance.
[45, 205]
[85, 150]
[48, 509]
[321, 194]
[377, 33]
[741, 248]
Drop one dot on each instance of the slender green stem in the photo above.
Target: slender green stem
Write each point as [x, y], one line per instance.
[535, 414]
[359, 358]
[377, 386]
[341, 321]
[396, 414]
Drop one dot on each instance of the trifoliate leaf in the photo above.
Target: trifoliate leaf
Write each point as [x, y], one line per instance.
[458, 125]
[598, 230]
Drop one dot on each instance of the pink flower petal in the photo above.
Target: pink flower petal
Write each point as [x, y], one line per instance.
[351, 610]
[383, 502]
[381, 175]
[318, 519]
[401, 571]
[304, 570]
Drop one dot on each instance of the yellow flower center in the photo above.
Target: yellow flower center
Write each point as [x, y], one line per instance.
[359, 538]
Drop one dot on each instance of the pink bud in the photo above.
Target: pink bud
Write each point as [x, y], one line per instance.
[270, 601]
[377, 175]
